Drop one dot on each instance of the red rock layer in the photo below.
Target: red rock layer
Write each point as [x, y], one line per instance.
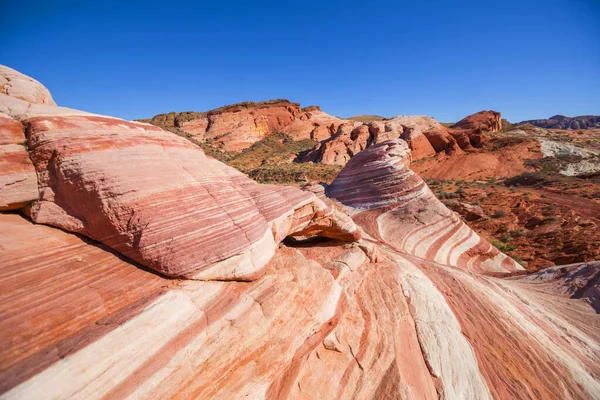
[403, 212]
[483, 121]
[18, 181]
[389, 317]
[238, 126]
[425, 136]
[156, 198]
[504, 162]
[79, 321]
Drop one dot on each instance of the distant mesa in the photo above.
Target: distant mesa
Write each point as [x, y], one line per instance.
[562, 122]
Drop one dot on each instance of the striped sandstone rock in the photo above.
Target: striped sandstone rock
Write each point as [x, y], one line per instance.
[420, 308]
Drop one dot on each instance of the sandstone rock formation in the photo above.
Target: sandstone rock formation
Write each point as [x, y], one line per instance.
[18, 182]
[237, 126]
[394, 206]
[421, 307]
[425, 136]
[154, 196]
[484, 121]
[17, 85]
[471, 131]
[562, 122]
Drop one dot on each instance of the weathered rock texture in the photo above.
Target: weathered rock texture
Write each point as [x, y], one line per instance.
[484, 121]
[394, 206]
[237, 126]
[15, 84]
[420, 308]
[562, 122]
[152, 195]
[425, 136]
[18, 182]
[156, 198]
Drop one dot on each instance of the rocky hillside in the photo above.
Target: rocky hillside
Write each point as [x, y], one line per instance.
[236, 127]
[159, 272]
[562, 122]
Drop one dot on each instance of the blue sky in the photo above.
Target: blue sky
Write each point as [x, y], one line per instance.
[134, 59]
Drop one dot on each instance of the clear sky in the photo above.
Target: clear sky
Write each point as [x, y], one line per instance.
[134, 59]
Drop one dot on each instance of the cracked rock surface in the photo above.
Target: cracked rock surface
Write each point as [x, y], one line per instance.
[141, 268]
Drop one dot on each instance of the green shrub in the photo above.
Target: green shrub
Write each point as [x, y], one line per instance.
[499, 214]
[503, 247]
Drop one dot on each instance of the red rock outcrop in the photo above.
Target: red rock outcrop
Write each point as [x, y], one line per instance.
[393, 205]
[471, 131]
[425, 136]
[156, 198]
[504, 161]
[484, 121]
[420, 308]
[314, 124]
[238, 126]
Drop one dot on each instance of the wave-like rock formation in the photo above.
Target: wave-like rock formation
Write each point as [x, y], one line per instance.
[420, 307]
[156, 197]
[562, 122]
[396, 207]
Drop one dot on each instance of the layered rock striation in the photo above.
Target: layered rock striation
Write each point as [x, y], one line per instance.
[420, 307]
[236, 127]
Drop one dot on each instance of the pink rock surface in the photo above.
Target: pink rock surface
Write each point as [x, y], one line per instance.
[420, 308]
[15, 84]
[303, 330]
[156, 198]
[394, 206]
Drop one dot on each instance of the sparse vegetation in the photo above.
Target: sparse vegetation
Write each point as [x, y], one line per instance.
[499, 213]
[503, 247]
[294, 173]
[366, 118]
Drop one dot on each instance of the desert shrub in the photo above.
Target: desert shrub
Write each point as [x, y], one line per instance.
[499, 213]
[517, 232]
[503, 229]
[505, 238]
[503, 247]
